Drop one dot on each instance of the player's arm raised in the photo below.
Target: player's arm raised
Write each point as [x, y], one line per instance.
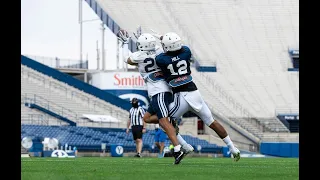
[124, 38]
[136, 58]
[128, 60]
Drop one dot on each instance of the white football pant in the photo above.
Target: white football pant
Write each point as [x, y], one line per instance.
[190, 101]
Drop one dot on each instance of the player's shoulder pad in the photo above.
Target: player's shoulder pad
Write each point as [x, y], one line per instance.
[160, 56]
[186, 49]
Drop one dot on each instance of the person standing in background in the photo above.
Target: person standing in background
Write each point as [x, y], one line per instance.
[137, 124]
[75, 150]
[159, 138]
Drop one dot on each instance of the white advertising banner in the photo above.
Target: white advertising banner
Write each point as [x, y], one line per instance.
[125, 85]
[118, 80]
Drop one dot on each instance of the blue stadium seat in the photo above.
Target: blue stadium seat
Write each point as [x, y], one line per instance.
[91, 138]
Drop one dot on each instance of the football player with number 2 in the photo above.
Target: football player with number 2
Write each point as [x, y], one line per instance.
[158, 89]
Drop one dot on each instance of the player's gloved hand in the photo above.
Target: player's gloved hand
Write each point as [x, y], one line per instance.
[125, 59]
[123, 36]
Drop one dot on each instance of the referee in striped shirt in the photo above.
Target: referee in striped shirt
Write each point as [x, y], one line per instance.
[137, 124]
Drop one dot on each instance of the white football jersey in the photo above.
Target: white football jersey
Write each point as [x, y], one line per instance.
[147, 65]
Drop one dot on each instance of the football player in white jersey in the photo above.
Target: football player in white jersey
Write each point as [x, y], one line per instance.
[158, 90]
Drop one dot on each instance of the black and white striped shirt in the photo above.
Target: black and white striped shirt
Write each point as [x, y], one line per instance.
[136, 116]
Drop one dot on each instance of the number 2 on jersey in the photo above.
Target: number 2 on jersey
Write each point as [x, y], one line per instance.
[181, 66]
[150, 65]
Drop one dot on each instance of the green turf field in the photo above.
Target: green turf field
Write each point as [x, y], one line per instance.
[153, 168]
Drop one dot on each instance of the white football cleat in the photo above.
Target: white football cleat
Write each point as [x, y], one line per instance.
[236, 154]
[188, 149]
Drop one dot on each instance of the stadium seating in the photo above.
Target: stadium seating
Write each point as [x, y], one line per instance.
[90, 139]
[222, 103]
[219, 30]
[64, 99]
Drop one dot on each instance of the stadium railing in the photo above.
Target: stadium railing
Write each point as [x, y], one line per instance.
[285, 110]
[51, 113]
[51, 106]
[234, 106]
[37, 119]
[60, 63]
[237, 127]
[219, 91]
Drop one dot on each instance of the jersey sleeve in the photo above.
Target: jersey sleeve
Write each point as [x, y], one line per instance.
[160, 62]
[187, 51]
[142, 111]
[138, 57]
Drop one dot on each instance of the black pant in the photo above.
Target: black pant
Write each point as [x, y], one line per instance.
[137, 132]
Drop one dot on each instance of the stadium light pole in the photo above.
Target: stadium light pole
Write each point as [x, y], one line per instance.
[98, 59]
[102, 47]
[80, 22]
[81, 31]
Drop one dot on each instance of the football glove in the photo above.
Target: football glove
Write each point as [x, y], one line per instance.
[123, 36]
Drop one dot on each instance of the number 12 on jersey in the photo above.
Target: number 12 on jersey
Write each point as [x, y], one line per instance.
[181, 68]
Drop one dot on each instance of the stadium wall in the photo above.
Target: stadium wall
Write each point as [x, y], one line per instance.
[280, 149]
[108, 97]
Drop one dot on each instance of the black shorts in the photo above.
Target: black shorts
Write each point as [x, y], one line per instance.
[159, 104]
[137, 132]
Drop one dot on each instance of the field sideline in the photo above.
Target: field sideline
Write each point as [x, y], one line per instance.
[95, 168]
